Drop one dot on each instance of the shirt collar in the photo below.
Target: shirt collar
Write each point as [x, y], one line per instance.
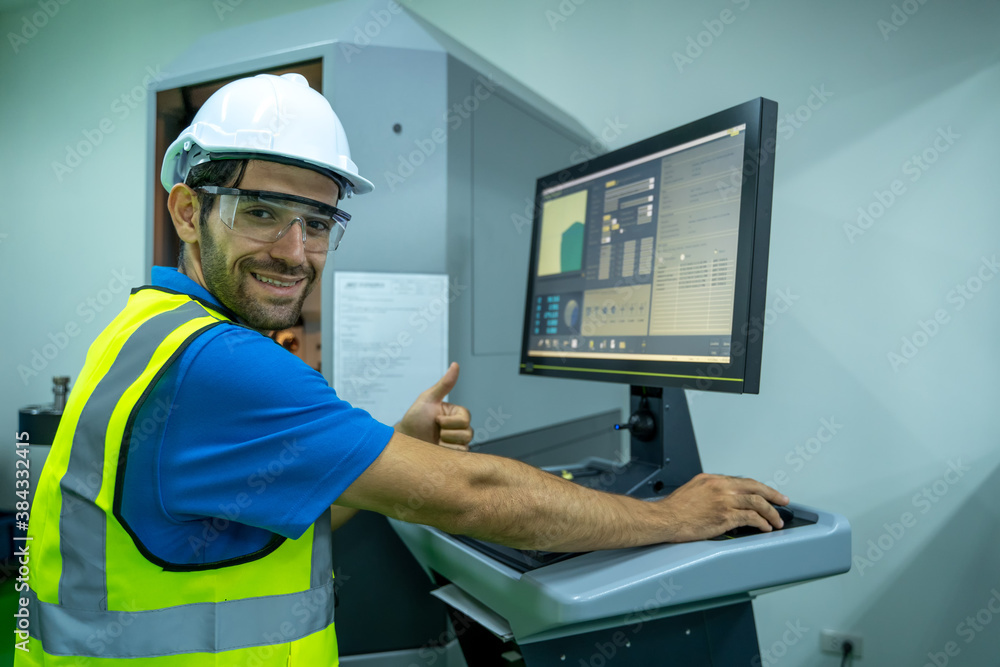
[170, 278]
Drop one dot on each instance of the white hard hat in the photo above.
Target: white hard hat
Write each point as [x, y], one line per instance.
[266, 117]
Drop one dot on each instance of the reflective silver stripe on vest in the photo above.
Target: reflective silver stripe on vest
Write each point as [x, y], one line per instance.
[83, 583]
[322, 552]
[192, 628]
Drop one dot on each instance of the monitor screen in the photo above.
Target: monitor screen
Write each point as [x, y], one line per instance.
[649, 264]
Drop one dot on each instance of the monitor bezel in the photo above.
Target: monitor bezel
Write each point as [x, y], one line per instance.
[742, 373]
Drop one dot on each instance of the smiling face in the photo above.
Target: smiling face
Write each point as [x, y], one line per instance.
[264, 283]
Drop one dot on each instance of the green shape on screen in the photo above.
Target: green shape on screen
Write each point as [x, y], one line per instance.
[571, 248]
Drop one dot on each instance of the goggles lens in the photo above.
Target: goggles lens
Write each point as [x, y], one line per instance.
[268, 216]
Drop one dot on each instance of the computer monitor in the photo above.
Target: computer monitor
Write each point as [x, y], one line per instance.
[649, 263]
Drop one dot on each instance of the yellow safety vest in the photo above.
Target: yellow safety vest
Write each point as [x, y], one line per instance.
[94, 597]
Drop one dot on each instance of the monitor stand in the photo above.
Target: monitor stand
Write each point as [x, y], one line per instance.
[664, 457]
[664, 451]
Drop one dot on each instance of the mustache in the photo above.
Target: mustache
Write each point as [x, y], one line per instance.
[281, 268]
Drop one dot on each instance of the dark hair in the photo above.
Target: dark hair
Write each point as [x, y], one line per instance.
[225, 173]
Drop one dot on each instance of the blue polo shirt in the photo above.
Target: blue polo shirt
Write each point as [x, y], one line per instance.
[239, 440]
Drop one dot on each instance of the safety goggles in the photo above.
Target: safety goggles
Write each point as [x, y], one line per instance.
[267, 216]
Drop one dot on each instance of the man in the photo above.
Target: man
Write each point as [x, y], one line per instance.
[184, 514]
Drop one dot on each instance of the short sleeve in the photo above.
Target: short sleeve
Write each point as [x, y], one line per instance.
[255, 428]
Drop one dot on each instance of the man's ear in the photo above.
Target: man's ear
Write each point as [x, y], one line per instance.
[185, 212]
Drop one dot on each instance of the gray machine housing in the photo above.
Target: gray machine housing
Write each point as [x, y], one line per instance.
[454, 186]
[609, 589]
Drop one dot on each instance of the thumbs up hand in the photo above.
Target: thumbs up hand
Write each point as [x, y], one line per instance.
[434, 420]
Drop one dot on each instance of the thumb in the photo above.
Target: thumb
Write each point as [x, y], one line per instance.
[444, 385]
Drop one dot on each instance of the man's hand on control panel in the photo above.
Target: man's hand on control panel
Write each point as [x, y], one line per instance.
[709, 505]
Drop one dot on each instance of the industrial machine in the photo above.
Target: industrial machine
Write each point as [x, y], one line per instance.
[648, 267]
[22, 463]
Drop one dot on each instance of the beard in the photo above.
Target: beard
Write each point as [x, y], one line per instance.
[231, 287]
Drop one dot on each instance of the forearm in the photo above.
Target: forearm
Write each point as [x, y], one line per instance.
[518, 505]
[340, 515]
[508, 502]
[499, 500]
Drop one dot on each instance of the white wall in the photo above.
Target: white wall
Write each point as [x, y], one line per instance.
[849, 300]
[68, 233]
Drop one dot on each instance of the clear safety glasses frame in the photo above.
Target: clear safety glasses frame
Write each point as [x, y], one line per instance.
[267, 216]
